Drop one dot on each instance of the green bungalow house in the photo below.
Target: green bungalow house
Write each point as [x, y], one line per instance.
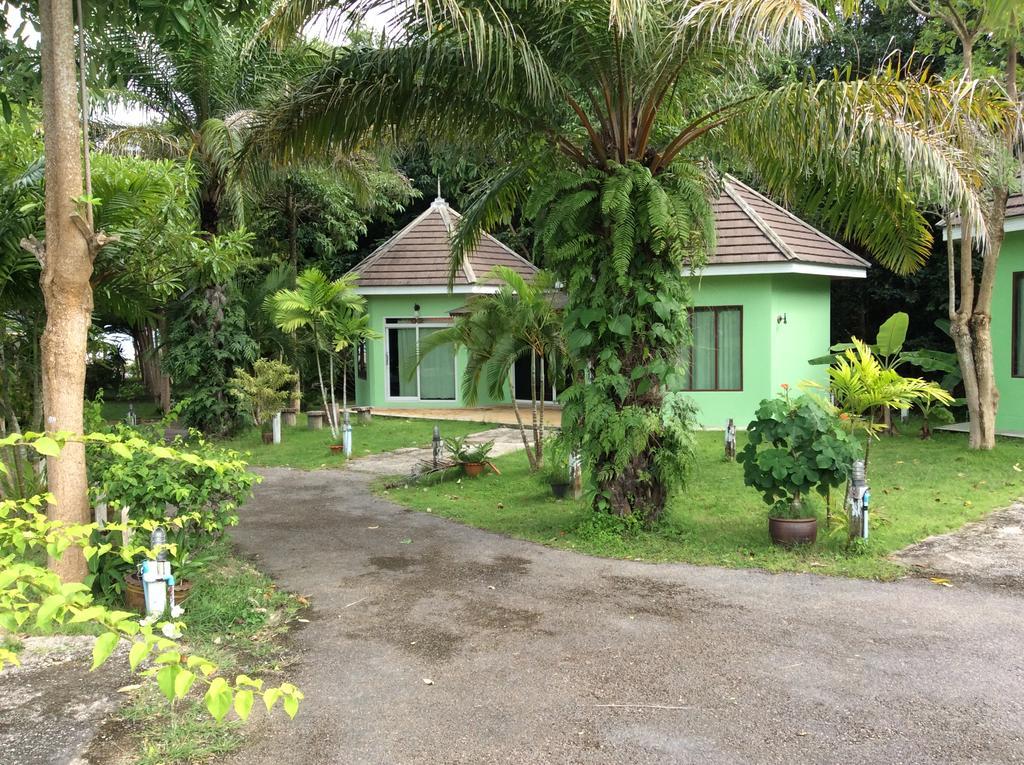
[762, 308]
[1008, 320]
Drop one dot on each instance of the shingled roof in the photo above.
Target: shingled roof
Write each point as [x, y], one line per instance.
[1015, 206]
[754, 230]
[419, 255]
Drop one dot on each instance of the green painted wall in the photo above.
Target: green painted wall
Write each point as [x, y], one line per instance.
[1011, 389]
[372, 391]
[773, 353]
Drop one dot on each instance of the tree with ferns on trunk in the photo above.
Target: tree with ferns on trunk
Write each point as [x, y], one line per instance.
[610, 116]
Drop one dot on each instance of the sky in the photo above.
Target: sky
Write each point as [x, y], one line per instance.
[125, 114]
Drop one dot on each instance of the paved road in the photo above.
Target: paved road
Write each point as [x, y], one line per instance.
[543, 656]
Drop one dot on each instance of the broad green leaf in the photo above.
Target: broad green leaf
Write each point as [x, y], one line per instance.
[243, 703]
[47, 446]
[165, 679]
[621, 325]
[271, 697]
[103, 647]
[183, 682]
[121, 450]
[218, 698]
[892, 334]
[138, 652]
[48, 608]
[291, 706]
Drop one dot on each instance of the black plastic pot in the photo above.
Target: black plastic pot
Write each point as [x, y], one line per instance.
[560, 490]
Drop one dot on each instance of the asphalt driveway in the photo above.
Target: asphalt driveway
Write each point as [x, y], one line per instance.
[431, 642]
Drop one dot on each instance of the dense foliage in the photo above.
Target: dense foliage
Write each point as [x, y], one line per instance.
[32, 595]
[796, 445]
[606, 120]
[618, 241]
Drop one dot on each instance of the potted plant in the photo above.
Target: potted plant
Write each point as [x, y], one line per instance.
[188, 558]
[472, 457]
[556, 475]
[796, 446]
[264, 392]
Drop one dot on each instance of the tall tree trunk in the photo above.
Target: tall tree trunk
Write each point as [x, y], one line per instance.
[971, 321]
[67, 269]
[530, 457]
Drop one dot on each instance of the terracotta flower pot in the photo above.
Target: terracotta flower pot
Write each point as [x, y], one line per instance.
[788, 532]
[337, 448]
[135, 595]
[473, 469]
[268, 437]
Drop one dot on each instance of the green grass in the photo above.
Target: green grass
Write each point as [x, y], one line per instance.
[309, 449]
[116, 411]
[235, 616]
[919, 488]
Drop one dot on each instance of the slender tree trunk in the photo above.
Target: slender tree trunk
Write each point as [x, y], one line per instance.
[332, 415]
[67, 269]
[533, 404]
[320, 376]
[540, 427]
[530, 457]
[971, 321]
[163, 379]
[36, 421]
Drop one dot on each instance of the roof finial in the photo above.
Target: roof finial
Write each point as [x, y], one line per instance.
[439, 197]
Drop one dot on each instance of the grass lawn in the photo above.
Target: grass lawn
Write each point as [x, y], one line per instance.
[235, 616]
[116, 411]
[918, 488]
[308, 449]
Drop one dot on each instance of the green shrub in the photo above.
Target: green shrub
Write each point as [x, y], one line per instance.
[796, 446]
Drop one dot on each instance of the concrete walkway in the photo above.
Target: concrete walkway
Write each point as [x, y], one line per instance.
[411, 459]
[989, 551]
[500, 415]
[431, 642]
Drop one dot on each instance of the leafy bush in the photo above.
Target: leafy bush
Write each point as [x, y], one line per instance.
[132, 390]
[266, 391]
[32, 595]
[206, 480]
[796, 446]
[464, 452]
[206, 343]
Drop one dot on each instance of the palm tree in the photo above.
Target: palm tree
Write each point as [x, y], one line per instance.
[607, 118]
[318, 307]
[350, 329]
[520, 320]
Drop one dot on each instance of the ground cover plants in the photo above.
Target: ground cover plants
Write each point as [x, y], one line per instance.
[308, 449]
[919, 488]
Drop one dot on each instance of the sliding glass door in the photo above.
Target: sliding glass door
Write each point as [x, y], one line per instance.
[433, 380]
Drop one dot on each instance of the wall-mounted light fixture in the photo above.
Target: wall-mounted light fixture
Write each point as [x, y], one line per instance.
[781, 319]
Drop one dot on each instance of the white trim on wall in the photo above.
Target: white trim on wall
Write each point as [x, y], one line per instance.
[1011, 224]
[459, 289]
[757, 269]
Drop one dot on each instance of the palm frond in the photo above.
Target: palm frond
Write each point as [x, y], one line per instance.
[893, 142]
